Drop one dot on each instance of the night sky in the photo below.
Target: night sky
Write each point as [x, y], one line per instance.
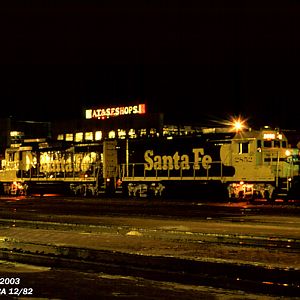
[194, 62]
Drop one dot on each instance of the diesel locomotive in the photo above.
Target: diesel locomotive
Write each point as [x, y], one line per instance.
[243, 165]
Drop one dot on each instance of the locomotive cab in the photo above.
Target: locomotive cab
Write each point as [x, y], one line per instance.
[265, 165]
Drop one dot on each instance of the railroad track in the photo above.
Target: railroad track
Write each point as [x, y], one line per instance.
[250, 278]
[267, 242]
[223, 273]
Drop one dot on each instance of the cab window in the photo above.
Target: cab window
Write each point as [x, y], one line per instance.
[244, 147]
[268, 144]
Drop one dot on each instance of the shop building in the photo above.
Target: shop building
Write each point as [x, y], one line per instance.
[116, 122]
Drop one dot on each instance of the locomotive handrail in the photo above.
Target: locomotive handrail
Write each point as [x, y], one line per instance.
[131, 168]
[81, 172]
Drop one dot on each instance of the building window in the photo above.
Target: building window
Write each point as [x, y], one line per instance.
[69, 137]
[170, 130]
[121, 133]
[98, 135]
[112, 134]
[88, 136]
[153, 132]
[185, 130]
[16, 134]
[132, 133]
[79, 137]
[143, 132]
[166, 131]
[60, 137]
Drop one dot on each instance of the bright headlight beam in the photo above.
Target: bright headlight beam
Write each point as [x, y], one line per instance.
[238, 124]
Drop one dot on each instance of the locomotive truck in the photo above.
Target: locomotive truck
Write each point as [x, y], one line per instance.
[248, 164]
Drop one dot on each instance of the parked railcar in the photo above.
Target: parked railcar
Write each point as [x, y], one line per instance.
[44, 168]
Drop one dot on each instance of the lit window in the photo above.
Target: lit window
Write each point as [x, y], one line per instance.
[153, 131]
[170, 130]
[269, 136]
[88, 136]
[132, 133]
[60, 137]
[98, 135]
[166, 131]
[79, 137]
[16, 133]
[69, 137]
[121, 134]
[143, 132]
[112, 134]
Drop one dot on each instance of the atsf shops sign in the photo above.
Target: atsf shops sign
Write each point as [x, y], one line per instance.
[104, 113]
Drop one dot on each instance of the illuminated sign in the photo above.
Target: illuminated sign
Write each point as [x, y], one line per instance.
[269, 136]
[104, 113]
[272, 136]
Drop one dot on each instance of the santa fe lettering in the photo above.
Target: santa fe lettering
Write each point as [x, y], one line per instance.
[177, 161]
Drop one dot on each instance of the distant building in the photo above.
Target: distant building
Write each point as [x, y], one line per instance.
[116, 122]
[13, 132]
[97, 124]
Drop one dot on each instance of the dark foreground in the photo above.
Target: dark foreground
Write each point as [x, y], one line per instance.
[53, 283]
[234, 251]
